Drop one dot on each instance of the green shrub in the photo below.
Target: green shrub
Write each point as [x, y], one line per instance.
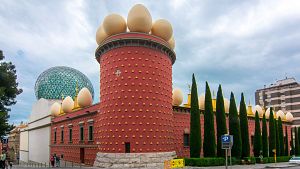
[202, 162]
[250, 160]
[278, 159]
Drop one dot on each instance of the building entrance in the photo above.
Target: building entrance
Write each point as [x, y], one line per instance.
[82, 155]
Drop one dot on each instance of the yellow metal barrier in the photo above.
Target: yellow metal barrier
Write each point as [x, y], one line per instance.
[176, 163]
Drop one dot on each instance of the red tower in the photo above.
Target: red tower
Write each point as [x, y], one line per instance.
[135, 94]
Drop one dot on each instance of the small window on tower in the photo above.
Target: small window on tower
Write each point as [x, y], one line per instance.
[186, 140]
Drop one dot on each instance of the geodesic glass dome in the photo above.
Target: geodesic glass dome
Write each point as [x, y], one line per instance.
[60, 81]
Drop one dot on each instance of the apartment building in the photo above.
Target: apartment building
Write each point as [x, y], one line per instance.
[283, 95]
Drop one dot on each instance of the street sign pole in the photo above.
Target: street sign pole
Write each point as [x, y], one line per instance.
[226, 157]
[230, 158]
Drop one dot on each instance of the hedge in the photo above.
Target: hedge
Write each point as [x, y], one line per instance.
[271, 159]
[202, 162]
[219, 161]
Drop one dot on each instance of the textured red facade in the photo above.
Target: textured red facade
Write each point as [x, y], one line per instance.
[136, 99]
[75, 150]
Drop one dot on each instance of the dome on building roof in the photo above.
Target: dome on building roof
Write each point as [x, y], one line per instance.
[60, 81]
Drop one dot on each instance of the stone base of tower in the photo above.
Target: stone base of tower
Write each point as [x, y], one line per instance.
[132, 160]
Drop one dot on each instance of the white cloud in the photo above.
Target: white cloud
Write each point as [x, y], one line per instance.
[240, 44]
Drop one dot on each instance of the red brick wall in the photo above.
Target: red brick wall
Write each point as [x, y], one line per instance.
[182, 122]
[71, 151]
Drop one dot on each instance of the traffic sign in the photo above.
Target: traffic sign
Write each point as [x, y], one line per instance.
[225, 138]
[227, 141]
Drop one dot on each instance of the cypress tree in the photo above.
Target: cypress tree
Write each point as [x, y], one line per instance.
[221, 121]
[264, 138]
[244, 128]
[209, 142]
[272, 134]
[280, 136]
[234, 128]
[257, 137]
[278, 148]
[195, 127]
[286, 148]
[296, 142]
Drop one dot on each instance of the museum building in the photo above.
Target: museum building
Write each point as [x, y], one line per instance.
[140, 120]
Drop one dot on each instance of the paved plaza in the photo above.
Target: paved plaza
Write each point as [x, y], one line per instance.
[257, 166]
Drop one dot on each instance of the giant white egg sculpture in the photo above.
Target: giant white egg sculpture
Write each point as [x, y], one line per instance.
[114, 24]
[55, 109]
[259, 110]
[100, 35]
[139, 19]
[289, 117]
[67, 105]
[201, 101]
[84, 97]
[177, 97]
[162, 28]
[226, 105]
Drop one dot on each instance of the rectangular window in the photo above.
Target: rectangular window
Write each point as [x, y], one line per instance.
[186, 140]
[252, 139]
[91, 133]
[81, 133]
[54, 136]
[70, 135]
[62, 135]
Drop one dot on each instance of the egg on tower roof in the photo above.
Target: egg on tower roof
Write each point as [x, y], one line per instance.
[100, 35]
[172, 42]
[139, 19]
[114, 24]
[163, 29]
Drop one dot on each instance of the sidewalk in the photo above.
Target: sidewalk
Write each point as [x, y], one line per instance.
[256, 166]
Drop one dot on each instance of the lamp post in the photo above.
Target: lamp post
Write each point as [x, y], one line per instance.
[274, 151]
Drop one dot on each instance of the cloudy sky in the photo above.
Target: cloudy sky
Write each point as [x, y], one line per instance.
[242, 45]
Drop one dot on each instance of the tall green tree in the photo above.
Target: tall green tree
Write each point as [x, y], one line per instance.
[195, 127]
[8, 92]
[278, 152]
[280, 136]
[272, 134]
[265, 144]
[244, 128]
[257, 137]
[234, 128]
[286, 145]
[209, 142]
[221, 121]
[296, 141]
